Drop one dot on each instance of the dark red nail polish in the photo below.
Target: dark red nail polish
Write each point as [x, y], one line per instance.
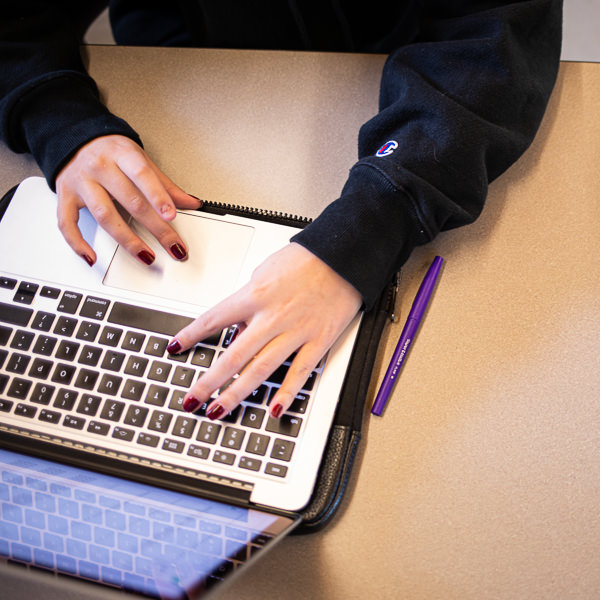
[216, 412]
[191, 404]
[174, 347]
[88, 259]
[178, 251]
[276, 410]
[146, 257]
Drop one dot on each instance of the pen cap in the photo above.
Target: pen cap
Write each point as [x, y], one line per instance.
[422, 298]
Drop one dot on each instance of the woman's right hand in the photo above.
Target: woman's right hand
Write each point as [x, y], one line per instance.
[113, 169]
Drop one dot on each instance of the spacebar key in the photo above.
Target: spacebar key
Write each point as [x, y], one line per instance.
[147, 319]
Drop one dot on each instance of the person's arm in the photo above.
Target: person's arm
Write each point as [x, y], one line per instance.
[459, 105]
[50, 107]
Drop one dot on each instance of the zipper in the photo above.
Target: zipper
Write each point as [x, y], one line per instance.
[280, 218]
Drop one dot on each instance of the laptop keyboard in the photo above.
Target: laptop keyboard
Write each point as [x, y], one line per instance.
[120, 533]
[73, 361]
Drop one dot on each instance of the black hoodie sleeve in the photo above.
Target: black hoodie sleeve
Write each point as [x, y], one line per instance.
[458, 106]
[49, 106]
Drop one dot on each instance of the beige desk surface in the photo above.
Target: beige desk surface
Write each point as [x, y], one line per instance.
[482, 480]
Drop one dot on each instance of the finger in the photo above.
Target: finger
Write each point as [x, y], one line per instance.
[179, 197]
[302, 366]
[67, 213]
[140, 170]
[102, 208]
[120, 187]
[255, 371]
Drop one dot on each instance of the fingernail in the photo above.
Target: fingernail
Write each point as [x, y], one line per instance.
[178, 251]
[174, 347]
[190, 404]
[146, 257]
[88, 259]
[216, 412]
[276, 410]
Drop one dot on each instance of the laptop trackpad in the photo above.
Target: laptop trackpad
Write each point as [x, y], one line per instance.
[216, 253]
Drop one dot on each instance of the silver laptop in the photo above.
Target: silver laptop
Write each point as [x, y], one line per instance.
[104, 477]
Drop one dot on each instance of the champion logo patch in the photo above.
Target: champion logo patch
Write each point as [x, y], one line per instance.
[387, 148]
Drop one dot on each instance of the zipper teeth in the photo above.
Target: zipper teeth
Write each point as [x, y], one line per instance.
[254, 212]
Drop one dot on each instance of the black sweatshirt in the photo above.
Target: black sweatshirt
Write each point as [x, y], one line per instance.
[463, 92]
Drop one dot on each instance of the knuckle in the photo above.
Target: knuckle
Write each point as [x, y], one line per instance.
[262, 369]
[102, 213]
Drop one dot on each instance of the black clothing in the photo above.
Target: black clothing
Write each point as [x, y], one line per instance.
[462, 95]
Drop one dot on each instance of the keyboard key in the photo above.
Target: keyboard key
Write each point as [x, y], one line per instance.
[258, 443]
[42, 393]
[157, 395]
[15, 315]
[252, 464]
[7, 283]
[67, 350]
[198, 451]
[183, 376]
[209, 432]
[17, 363]
[176, 401]
[63, 373]
[3, 383]
[173, 446]
[25, 410]
[277, 470]
[160, 421]
[233, 438]
[87, 331]
[69, 302]
[133, 341]
[121, 433]
[44, 345]
[259, 395]
[225, 458]
[285, 425]
[110, 336]
[98, 428]
[22, 340]
[282, 449]
[203, 357]
[94, 308]
[5, 333]
[3, 355]
[65, 399]
[136, 365]
[133, 389]
[280, 373]
[65, 326]
[50, 292]
[156, 346]
[26, 292]
[147, 439]
[159, 371]
[253, 417]
[147, 319]
[112, 410]
[113, 361]
[5, 405]
[110, 384]
[40, 368]
[90, 355]
[136, 416]
[49, 416]
[184, 426]
[86, 379]
[89, 405]
[43, 321]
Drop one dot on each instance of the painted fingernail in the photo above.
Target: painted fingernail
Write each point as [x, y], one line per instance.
[178, 251]
[174, 347]
[276, 410]
[190, 404]
[88, 259]
[216, 412]
[146, 257]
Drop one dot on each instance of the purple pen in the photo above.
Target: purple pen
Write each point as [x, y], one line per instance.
[409, 331]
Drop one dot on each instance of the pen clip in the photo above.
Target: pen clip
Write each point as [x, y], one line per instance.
[391, 307]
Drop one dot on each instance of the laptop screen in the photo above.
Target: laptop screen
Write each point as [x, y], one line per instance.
[149, 541]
